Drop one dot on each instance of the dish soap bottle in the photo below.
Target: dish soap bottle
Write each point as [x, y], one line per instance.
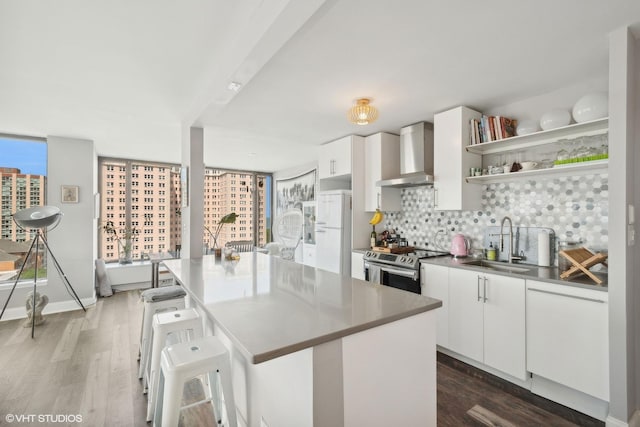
[373, 237]
[491, 252]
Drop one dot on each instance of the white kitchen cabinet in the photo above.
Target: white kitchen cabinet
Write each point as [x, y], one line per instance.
[381, 161]
[434, 281]
[357, 265]
[309, 254]
[335, 159]
[567, 336]
[487, 319]
[451, 162]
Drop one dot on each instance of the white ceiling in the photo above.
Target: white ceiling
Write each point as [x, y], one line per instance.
[129, 74]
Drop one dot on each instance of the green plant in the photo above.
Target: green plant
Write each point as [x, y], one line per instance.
[124, 236]
[227, 219]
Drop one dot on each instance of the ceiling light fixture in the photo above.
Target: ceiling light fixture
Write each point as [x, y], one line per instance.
[362, 113]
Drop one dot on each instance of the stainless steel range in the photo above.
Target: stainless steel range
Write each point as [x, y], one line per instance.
[400, 271]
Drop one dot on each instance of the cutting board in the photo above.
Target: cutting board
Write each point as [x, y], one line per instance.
[398, 250]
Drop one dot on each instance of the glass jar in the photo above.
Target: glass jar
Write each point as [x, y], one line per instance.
[564, 245]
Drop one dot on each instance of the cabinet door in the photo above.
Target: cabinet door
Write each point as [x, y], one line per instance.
[504, 324]
[357, 265]
[309, 254]
[451, 162]
[435, 284]
[567, 336]
[335, 159]
[382, 161]
[465, 313]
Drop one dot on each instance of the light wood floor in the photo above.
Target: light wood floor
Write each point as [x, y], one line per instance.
[86, 364]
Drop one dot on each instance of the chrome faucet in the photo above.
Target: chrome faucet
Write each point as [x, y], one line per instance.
[511, 257]
[510, 236]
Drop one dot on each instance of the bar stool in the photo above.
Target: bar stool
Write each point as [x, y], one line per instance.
[185, 361]
[168, 298]
[187, 324]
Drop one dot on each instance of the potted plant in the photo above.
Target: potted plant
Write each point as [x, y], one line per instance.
[227, 219]
[124, 237]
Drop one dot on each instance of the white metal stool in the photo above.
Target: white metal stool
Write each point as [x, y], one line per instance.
[188, 324]
[185, 361]
[168, 298]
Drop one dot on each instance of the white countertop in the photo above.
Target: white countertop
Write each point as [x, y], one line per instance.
[270, 307]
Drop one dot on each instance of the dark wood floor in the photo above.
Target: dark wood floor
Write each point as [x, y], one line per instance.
[85, 364]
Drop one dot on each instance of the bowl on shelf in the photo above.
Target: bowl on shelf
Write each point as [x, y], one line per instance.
[555, 118]
[591, 107]
[527, 166]
[526, 127]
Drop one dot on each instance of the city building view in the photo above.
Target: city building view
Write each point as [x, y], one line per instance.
[140, 208]
[22, 188]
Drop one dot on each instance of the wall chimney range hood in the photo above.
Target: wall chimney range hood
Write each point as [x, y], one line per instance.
[416, 157]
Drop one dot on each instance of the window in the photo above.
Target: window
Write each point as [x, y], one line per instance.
[23, 171]
[164, 180]
[255, 192]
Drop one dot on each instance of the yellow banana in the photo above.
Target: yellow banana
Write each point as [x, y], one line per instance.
[377, 218]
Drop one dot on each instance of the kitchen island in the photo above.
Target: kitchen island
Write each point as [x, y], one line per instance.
[313, 348]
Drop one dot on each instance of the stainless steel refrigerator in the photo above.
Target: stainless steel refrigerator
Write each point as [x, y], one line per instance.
[333, 231]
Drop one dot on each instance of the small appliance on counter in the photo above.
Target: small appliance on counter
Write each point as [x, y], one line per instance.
[460, 246]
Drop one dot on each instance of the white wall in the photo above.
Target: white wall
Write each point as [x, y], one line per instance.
[73, 243]
[623, 324]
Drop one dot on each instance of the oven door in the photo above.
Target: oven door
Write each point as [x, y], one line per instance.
[400, 278]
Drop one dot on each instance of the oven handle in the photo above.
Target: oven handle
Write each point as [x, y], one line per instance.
[411, 274]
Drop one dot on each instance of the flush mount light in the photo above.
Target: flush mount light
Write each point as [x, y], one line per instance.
[234, 86]
[362, 113]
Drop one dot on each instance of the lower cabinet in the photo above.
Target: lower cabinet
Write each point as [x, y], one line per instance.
[435, 284]
[487, 319]
[567, 336]
[357, 265]
[309, 254]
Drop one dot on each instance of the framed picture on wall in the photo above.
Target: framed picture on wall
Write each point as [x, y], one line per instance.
[69, 193]
[292, 192]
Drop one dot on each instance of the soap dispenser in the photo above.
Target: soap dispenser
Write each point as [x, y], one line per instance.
[491, 252]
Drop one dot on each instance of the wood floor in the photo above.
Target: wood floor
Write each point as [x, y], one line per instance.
[84, 364]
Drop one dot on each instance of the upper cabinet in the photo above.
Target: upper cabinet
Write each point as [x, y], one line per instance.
[451, 161]
[335, 159]
[381, 161]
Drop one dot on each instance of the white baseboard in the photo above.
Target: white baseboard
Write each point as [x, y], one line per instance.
[633, 422]
[54, 307]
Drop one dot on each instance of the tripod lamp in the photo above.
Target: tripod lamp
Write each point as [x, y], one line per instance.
[39, 218]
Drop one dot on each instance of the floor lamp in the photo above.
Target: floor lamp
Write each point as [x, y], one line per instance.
[38, 219]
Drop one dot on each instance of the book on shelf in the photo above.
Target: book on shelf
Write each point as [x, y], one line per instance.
[491, 128]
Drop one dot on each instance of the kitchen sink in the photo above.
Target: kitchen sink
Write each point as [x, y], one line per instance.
[497, 266]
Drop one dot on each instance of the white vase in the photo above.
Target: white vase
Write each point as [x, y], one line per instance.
[555, 118]
[527, 126]
[591, 107]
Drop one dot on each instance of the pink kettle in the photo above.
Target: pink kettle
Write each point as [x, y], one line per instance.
[459, 246]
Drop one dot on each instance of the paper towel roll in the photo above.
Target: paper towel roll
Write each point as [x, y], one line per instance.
[543, 249]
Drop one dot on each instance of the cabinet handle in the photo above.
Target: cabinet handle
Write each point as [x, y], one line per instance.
[333, 167]
[568, 296]
[378, 200]
[484, 290]
[478, 283]
[435, 197]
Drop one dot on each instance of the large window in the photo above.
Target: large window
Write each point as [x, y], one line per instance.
[143, 200]
[23, 171]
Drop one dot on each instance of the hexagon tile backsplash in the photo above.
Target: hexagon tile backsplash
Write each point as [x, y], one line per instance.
[576, 208]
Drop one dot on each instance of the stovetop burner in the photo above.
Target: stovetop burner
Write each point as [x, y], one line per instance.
[410, 260]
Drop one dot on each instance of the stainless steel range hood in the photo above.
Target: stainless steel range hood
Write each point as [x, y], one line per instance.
[416, 157]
